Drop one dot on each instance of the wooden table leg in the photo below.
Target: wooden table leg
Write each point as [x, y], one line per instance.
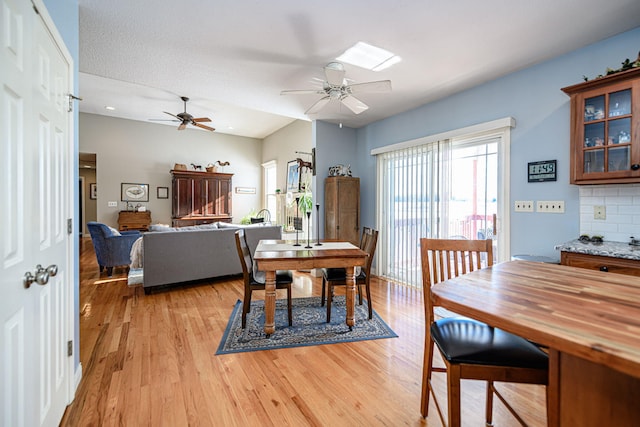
[270, 302]
[351, 296]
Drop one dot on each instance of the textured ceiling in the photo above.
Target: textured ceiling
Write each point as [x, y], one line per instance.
[232, 58]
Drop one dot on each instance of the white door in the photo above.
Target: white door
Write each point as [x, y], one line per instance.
[36, 184]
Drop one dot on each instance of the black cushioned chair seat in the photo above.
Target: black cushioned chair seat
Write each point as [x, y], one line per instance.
[340, 274]
[463, 340]
[282, 277]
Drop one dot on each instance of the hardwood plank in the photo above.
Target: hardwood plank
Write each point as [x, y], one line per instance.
[149, 360]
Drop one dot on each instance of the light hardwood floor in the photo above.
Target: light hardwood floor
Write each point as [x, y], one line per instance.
[149, 360]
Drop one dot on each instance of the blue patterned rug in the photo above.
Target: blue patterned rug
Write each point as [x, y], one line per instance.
[309, 326]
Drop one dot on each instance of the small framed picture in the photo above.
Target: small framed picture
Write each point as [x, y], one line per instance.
[245, 190]
[93, 191]
[293, 176]
[163, 192]
[134, 192]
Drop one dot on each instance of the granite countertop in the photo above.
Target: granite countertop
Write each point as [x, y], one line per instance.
[610, 249]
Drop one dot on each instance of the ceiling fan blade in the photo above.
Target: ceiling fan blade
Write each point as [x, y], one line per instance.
[303, 92]
[203, 126]
[173, 115]
[318, 105]
[182, 126]
[354, 104]
[379, 86]
[202, 119]
[334, 72]
[164, 120]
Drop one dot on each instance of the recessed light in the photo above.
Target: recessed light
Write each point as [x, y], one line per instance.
[110, 108]
[370, 57]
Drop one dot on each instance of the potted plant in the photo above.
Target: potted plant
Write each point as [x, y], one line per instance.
[306, 203]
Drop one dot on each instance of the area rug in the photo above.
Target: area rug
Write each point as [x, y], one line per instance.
[309, 326]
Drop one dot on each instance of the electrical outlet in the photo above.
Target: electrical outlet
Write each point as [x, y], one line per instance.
[599, 212]
[550, 206]
[523, 206]
[112, 204]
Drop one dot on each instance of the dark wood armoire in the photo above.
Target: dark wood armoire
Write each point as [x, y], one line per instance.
[200, 197]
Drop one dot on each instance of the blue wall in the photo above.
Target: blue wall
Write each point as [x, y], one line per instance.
[65, 15]
[533, 97]
[337, 147]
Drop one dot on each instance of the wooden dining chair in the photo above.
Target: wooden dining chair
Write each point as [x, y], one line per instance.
[341, 272]
[338, 276]
[254, 280]
[470, 349]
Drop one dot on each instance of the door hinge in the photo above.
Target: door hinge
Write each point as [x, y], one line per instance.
[70, 348]
[69, 225]
[71, 98]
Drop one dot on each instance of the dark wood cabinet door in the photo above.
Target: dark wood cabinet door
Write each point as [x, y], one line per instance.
[223, 203]
[182, 197]
[330, 209]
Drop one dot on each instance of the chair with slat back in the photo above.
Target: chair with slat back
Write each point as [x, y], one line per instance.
[339, 273]
[338, 276]
[255, 280]
[470, 349]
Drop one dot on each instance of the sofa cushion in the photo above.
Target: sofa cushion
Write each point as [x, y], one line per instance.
[114, 232]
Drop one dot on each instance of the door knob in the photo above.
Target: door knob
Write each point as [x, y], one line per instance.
[52, 270]
[41, 276]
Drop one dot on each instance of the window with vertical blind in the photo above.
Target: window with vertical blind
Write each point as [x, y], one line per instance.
[454, 187]
[409, 183]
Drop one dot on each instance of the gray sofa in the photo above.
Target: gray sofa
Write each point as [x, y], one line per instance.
[171, 257]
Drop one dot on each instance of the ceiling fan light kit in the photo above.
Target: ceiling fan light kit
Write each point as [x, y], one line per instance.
[335, 88]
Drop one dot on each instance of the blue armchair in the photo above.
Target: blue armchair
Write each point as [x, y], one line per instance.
[112, 249]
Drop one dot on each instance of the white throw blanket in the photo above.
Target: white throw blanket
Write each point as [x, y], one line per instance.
[136, 254]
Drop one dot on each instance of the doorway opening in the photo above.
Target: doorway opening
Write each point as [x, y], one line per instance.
[88, 191]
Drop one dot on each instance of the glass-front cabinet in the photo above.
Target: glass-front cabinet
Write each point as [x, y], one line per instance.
[605, 129]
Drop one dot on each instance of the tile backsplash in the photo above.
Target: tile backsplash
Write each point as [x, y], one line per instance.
[622, 204]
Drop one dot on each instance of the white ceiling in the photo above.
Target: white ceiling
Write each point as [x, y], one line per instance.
[233, 57]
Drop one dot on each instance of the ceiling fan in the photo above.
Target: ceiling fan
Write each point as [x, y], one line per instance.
[185, 118]
[335, 88]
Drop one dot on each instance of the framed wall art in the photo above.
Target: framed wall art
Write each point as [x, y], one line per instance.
[162, 192]
[93, 191]
[293, 176]
[245, 190]
[134, 192]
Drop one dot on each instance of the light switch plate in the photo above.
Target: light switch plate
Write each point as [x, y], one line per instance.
[523, 206]
[550, 206]
[112, 204]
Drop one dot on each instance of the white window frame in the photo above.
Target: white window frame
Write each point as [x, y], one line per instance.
[269, 187]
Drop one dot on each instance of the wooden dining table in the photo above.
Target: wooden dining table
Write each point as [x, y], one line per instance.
[272, 255]
[589, 320]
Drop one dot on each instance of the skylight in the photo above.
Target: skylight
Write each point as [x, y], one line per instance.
[370, 57]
